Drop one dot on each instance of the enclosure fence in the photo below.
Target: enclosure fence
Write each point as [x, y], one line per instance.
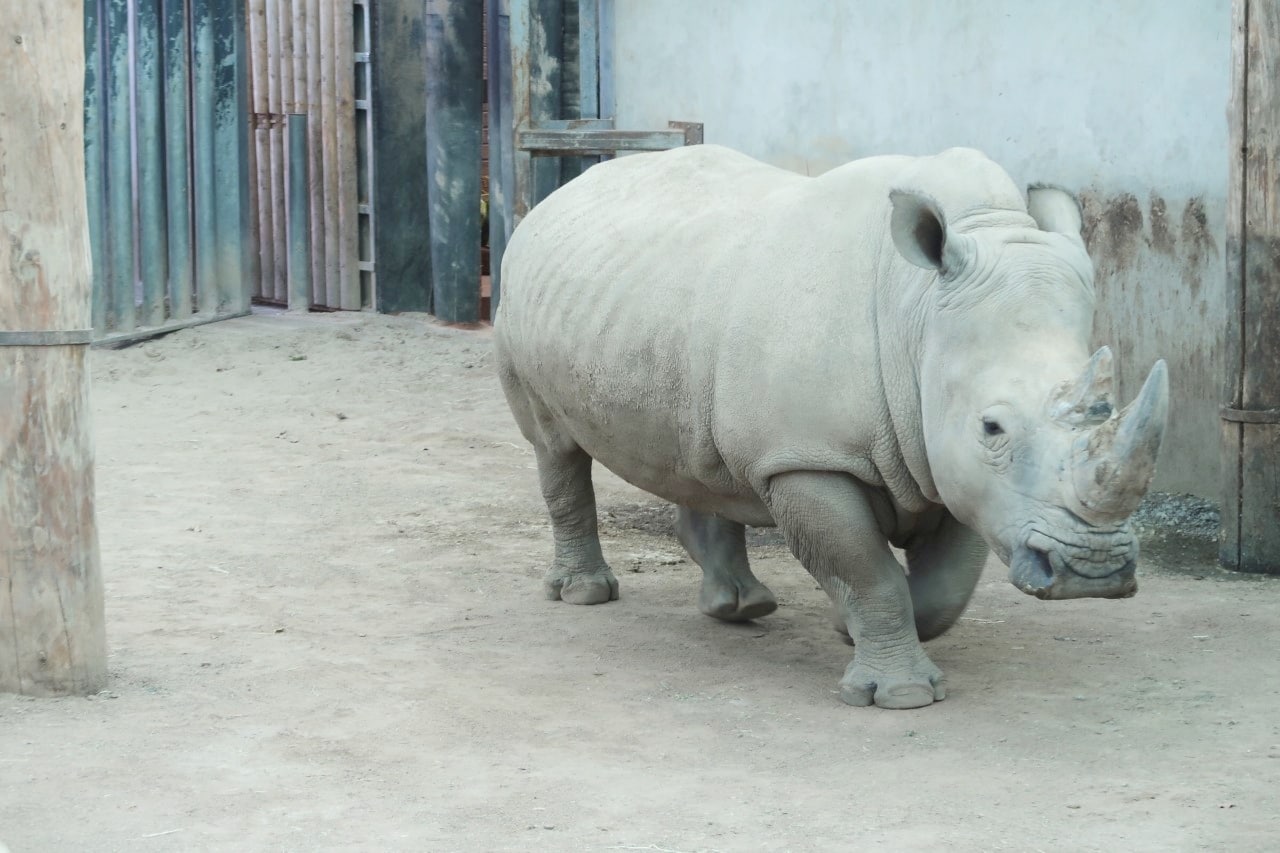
[166, 164]
[309, 65]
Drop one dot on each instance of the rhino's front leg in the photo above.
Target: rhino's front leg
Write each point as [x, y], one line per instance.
[945, 562]
[579, 574]
[829, 524]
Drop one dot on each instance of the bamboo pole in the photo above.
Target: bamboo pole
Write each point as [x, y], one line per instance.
[52, 636]
[329, 147]
[278, 286]
[262, 147]
[315, 154]
[345, 150]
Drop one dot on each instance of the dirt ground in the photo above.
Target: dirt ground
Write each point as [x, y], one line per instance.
[322, 542]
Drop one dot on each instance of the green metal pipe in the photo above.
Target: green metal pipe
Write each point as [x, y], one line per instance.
[454, 97]
[95, 176]
[177, 151]
[153, 249]
[299, 212]
[229, 154]
[202, 87]
[121, 308]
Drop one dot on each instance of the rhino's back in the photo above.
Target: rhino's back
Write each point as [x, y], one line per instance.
[683, 315]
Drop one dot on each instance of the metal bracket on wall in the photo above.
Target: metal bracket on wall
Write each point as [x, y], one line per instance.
[582, 137]
[1250, 416]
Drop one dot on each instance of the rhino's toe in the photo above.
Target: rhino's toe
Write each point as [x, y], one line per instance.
[593, 587]
[913, 687]
[735, 603]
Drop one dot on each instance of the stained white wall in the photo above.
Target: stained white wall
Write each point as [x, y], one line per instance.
[1122, 101]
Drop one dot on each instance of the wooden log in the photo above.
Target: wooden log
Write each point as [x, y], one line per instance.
[455, 96]
[1250, 538]
[329, 147]
[52, 636]
[344, 120]
[177, 152]
[153, 223]
[400, 152]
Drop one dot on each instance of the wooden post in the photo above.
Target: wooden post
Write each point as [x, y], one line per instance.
[399, 70]
[52, 639]
[1250, 539]
[177, 152]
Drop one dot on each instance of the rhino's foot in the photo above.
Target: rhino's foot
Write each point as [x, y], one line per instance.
[735, 599]
[594, 586]
[913, 686]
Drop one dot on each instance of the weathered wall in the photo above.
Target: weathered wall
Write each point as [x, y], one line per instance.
[1123, 102]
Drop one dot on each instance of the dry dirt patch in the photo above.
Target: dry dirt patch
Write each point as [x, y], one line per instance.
[323, 543]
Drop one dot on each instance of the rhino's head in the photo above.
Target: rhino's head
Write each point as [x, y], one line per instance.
[1021, 432]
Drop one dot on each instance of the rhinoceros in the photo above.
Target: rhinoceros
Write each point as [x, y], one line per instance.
[895, 352]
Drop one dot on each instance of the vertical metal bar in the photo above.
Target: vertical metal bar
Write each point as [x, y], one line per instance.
[329, 147]
[202, 86]
[454, 102]
[152, 221]
[546, 54]
[299, 214]
[315, 171]
[364, 157]
[264, 285]
[121, 313]
[344, 121]
[400, 203]
[247, 236]
[588, 71]
[229, 158]
[276, 289]
[520, 24]
[605, 41]
[95, 167]
[588, 59]
[497, 19]
[177, 152]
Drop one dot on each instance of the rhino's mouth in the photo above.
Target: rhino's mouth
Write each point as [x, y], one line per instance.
[1090, 565]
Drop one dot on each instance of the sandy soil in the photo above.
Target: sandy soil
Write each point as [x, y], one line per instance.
[323, 544]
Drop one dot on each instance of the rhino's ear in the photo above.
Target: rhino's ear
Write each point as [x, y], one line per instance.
[1054, 209]
[919, 231]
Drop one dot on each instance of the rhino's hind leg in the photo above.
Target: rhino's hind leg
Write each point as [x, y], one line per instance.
[579, 574]
[729, 590]
[945, 565]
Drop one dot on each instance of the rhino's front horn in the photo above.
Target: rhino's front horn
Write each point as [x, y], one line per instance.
[1115, 462]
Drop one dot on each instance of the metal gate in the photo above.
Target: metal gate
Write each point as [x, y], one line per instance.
[165, 164]
[309, 66]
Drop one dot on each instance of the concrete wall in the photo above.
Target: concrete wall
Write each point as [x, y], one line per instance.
[1124, 102]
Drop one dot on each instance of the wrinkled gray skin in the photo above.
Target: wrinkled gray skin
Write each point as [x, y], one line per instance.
[894, 352]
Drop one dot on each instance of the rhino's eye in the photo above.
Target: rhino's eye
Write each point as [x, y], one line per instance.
[992, 427]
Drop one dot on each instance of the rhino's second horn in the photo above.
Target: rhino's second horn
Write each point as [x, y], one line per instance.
[1115, 462]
